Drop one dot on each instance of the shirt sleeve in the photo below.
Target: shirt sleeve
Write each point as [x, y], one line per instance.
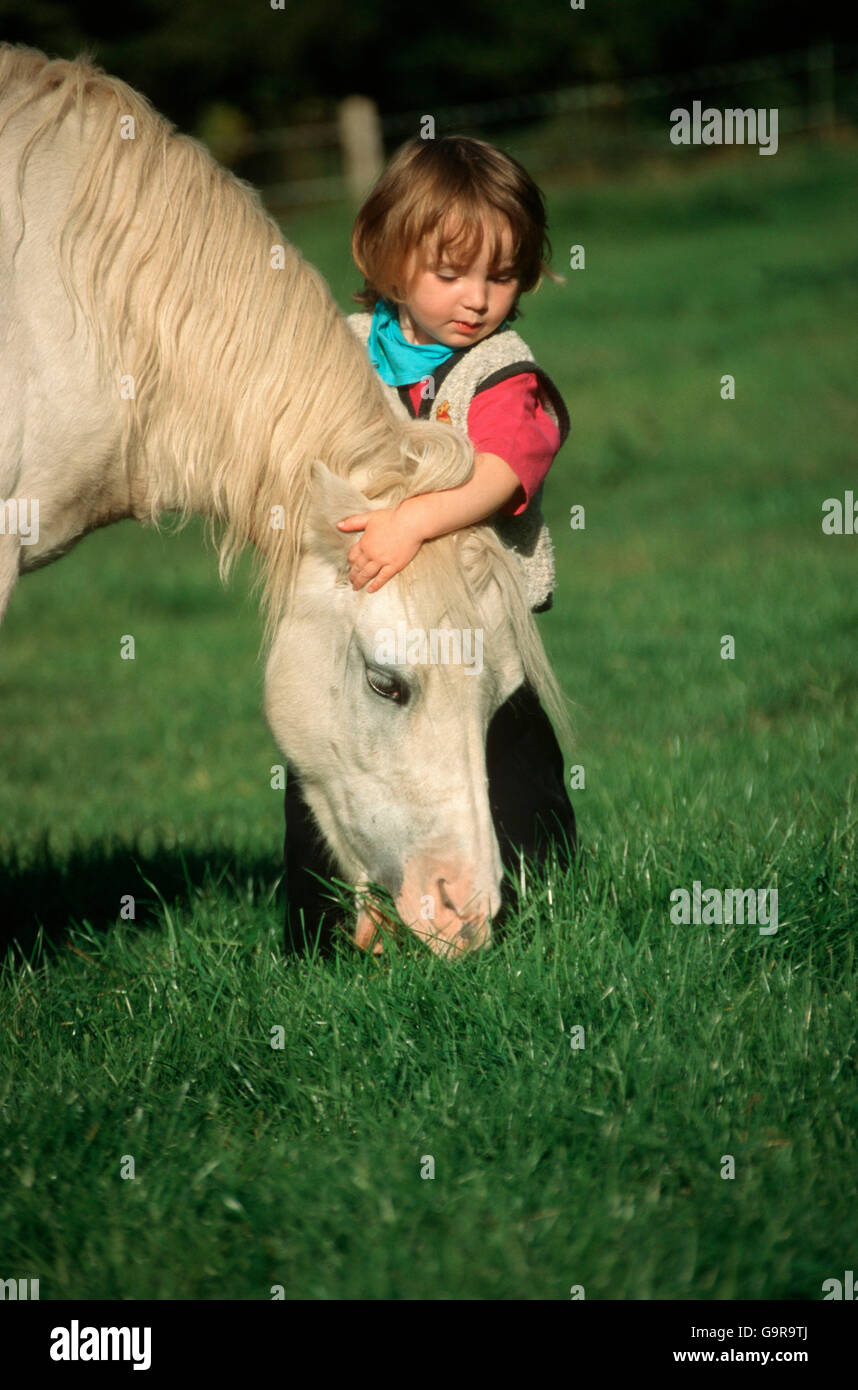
[510, 420]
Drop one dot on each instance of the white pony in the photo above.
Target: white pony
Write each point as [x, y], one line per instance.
[162, 350]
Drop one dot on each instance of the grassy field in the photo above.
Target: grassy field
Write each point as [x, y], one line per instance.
[554, 1166]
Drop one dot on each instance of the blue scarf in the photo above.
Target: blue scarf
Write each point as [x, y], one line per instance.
[397, 361]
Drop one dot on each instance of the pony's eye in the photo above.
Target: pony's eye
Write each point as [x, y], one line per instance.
[387, 686]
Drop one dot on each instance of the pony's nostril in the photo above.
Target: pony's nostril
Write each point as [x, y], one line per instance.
[472, 924]
[445, 896]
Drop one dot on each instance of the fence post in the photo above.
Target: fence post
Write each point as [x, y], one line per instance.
[360, 143]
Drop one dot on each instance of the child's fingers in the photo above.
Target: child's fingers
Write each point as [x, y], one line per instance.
[385, 573]
[361, 574]
[354, 523]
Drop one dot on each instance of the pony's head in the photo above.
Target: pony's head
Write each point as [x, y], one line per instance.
[381, 702]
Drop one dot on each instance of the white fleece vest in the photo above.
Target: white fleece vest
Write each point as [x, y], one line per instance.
[447, 398]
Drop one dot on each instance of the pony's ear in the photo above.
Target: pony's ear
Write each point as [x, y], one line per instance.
[332, 499]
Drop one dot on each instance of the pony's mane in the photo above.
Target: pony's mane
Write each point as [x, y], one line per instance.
[190, 289]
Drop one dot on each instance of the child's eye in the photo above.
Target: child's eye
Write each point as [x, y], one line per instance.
[446, 275]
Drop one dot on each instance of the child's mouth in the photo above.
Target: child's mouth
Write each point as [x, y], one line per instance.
[462, 327]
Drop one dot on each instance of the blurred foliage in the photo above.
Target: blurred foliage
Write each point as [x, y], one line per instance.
[289, 64]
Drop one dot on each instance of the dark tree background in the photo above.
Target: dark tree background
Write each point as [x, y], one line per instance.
[281, 65]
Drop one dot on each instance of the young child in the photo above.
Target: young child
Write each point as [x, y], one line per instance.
[450, 237]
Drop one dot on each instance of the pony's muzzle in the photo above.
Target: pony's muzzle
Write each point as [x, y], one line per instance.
[459, 923]
[446, 929]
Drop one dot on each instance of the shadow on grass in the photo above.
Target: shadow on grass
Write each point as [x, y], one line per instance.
[54, 893]
[88, 885]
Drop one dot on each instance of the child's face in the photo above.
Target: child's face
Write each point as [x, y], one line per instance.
[458, 305]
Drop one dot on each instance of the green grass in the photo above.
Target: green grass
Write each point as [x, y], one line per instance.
[554, 1167]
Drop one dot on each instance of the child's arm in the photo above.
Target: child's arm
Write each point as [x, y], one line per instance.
[392, 536]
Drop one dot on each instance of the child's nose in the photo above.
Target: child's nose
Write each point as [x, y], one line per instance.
[476, 293]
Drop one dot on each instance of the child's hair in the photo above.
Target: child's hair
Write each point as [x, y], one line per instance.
[425, 182]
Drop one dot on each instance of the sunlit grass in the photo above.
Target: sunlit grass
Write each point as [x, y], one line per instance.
[554, 1166]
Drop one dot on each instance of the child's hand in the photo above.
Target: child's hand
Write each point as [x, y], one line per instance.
[388, 543]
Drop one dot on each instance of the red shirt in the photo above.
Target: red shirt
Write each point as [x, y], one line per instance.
[510, 420]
